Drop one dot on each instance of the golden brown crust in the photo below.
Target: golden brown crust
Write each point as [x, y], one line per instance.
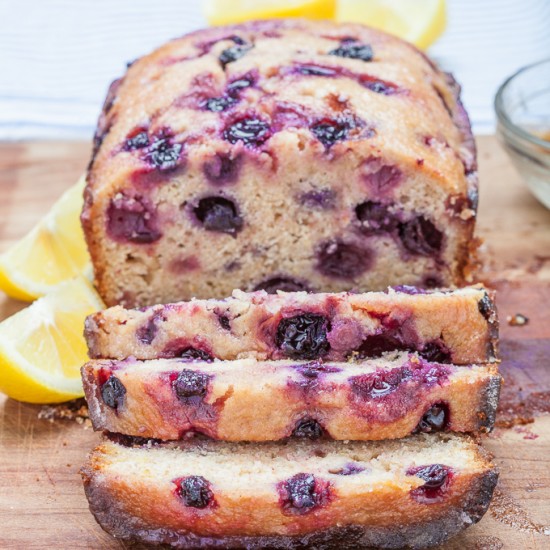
[293, 398]
[463, 322]
[359, 515]
[423, 130]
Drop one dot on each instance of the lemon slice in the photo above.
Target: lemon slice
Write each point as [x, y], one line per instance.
[42, 347]
[224, 12]
[52, 252]
[418, 21]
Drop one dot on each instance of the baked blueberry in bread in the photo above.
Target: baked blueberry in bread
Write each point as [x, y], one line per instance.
[459, 327]
[246, 400]
[415, 492]
[292, 155]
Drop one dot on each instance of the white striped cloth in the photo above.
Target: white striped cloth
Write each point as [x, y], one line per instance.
[57, 57]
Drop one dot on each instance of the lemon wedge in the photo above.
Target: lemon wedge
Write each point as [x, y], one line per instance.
[224, 12]
[42, 347]
[52, 252]
[419, 22]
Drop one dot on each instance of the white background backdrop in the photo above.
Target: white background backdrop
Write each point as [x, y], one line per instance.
[57, 57]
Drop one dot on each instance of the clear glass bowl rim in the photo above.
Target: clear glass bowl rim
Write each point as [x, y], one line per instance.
[501, 110]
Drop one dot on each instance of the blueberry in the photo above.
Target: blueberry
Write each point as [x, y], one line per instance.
[218, 104]
[129, 219]
[353, 50]
[139, 141]
[302, 493]
[316, 70]
[436, 477]
[195, 492]
[421, 236]
[113, 392]
[146, 333]
[233, 53]
[194, 354]
[248, 130]
[234, 87]
[163, 154]
[303, 336]
[343, 261]
[349, 469]
[436, 352]
[286, 284]
[308, 429]
[190, 383]
[224, 321]
[375, 217]
[218, 214]
[435, 419]
[328, 132]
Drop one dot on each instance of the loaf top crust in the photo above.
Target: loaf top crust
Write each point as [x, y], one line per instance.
[295, 77]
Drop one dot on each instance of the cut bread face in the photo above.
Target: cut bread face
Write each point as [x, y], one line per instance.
[307, 154]
[249, 400]
[414, 492]
[453, 326]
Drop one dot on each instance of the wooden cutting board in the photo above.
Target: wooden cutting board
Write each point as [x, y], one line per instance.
[42, 504]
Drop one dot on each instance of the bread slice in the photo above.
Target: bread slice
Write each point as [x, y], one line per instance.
[306, 154]
[415, 492]
[459, 327]
[246, 400]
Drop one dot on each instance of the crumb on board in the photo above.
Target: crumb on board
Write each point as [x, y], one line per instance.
[517, 320]
[76, 411]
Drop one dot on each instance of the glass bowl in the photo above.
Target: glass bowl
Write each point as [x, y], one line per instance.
[522, 105]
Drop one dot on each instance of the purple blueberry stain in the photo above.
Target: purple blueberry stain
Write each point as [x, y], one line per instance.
[113, 393]
[250, 131]
[147, 332]
[312, 371]
[340, 260]
[303, 493]
[322, 199]
[190, 383]
[308, 428]
[420, 236]
[349, 469]
[195, 492]
[380, 383]
[435, 419]
[222, 168]
[375, 345]
[218, 214]
[380, 177]
[353, 50]
[303, 336]
[285, 284]
[131, 219]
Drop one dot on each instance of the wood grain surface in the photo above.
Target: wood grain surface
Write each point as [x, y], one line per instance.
[42, 504]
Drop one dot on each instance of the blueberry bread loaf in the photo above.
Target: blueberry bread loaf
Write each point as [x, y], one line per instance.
[459, 327]
[292, 155]
[412, 493]
[246, 400]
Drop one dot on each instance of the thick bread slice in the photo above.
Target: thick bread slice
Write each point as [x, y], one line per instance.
[415, 492]
[459, 327]
[246, 400]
